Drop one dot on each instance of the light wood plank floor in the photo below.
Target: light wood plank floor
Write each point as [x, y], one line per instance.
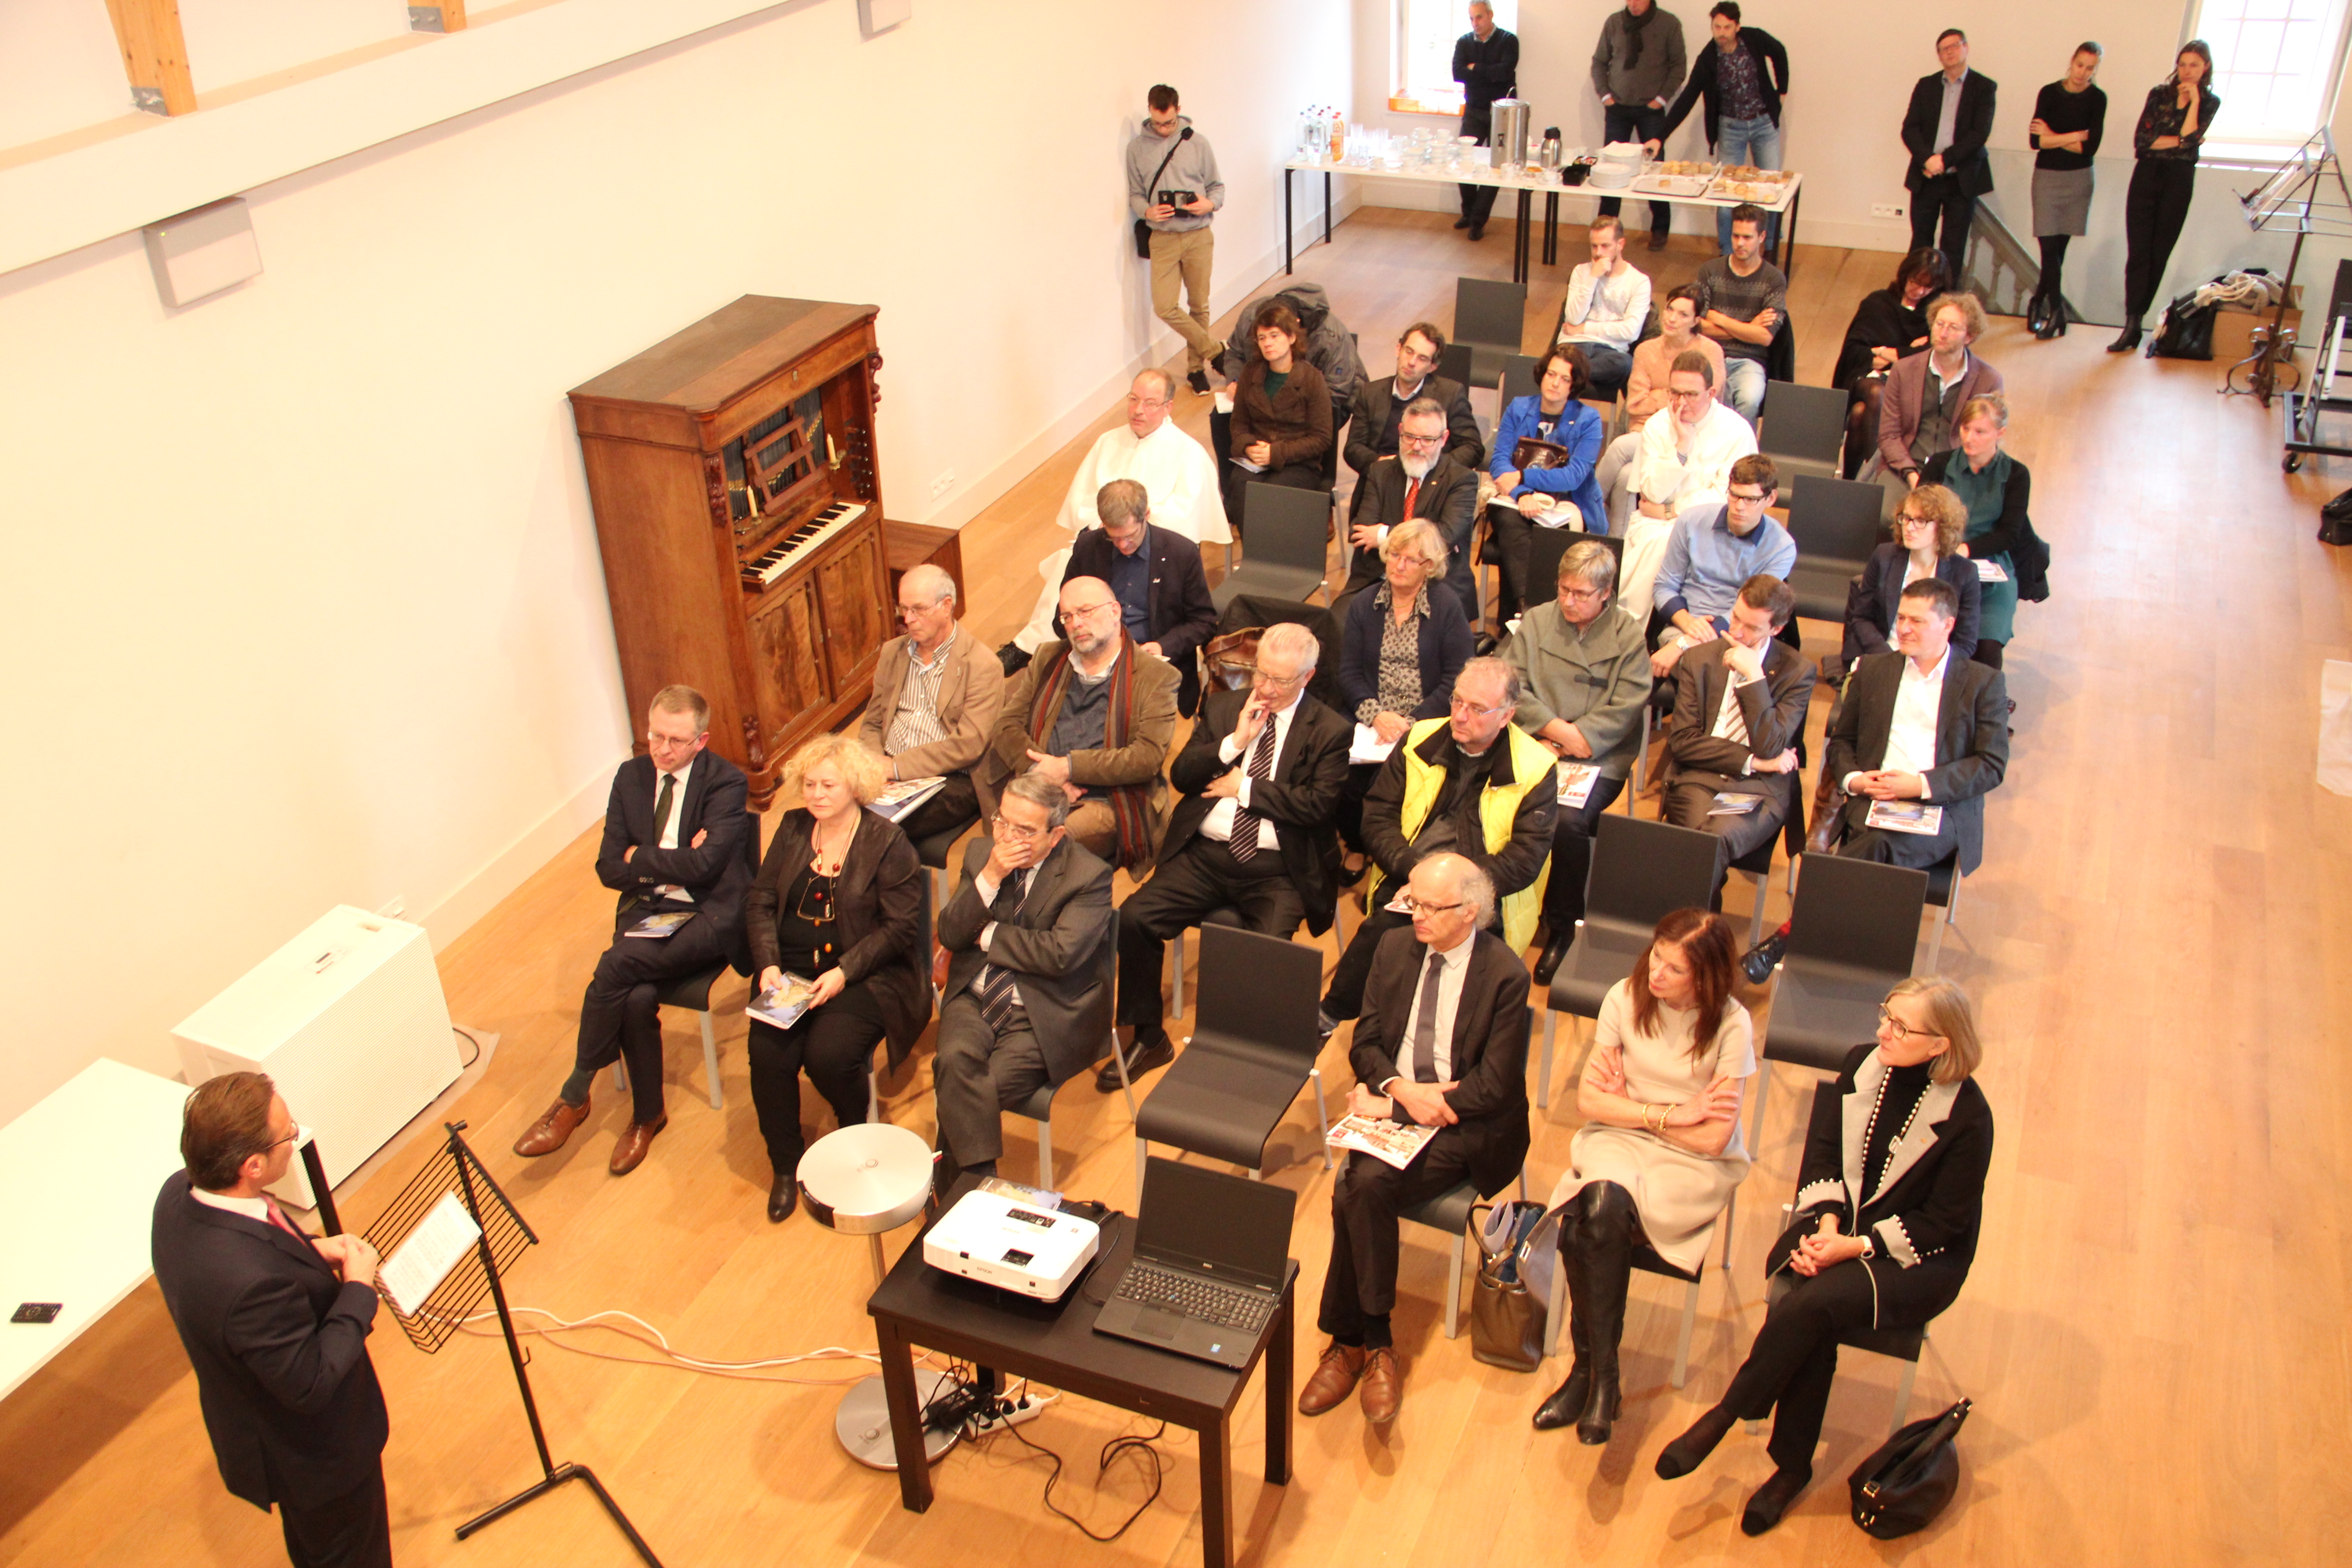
[2154, 1333]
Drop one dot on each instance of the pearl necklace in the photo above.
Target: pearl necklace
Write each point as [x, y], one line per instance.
[1901, 1132]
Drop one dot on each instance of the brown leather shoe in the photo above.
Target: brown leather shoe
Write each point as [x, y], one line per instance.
[1383, 1389]
[635, 1139]
[548, 1132]
[1335, 1377]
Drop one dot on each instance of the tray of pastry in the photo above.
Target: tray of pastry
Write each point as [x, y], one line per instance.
[1745, 183]
[1676, 177]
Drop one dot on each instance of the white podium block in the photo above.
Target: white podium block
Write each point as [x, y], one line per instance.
[348, 1020]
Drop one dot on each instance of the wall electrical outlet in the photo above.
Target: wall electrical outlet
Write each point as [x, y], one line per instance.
[943, 484]
[1887, 209]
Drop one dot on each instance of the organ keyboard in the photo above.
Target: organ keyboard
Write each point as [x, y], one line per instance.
[766, 567]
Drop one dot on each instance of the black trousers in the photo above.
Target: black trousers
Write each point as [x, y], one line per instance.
[620, 1015]
[835, 1044]
[1794, 1360]
[1636, 122]
[353, 1530]
[1201, 877]
[1361, 1280]
[1349, 816]
[2154, 209]
[955, 803]
[1941, 201]
[1688, 801]
[1571, 855]
[1478, 201]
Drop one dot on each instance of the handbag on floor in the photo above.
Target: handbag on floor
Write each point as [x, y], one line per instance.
[1903, 1486]
[1507, 1309]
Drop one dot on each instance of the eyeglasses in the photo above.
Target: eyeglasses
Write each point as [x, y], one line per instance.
[1681, 397]
[1471, 711]
[1758, 499]
[1073, 616]
[1414, 906]
[1406, 440]
[1014, 832]
[1135, 402]
[1902, 1031]
[1582, 595]
[293, 1137]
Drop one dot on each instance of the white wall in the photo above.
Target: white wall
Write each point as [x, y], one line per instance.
[304, 599]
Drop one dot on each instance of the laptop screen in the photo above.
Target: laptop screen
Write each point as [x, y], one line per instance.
[1226, 1226]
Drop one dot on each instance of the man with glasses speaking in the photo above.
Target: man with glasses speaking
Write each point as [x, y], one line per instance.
[1474, 785]
[1093, 714]
[1026, 1003]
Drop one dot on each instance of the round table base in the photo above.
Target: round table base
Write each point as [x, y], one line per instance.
[863, 1420]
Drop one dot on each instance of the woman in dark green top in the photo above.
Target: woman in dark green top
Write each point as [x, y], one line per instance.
[2171, 131]
[1995, 488]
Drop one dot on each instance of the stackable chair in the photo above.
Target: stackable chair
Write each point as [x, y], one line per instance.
[1836, 524]
[1804, 429]
[1289, 534]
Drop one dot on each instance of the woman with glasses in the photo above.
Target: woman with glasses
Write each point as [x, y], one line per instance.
[1928, 526]
[839, 902]
[1889, 1200]
[1401, 647]
[1546, 450]
[1659, 1155]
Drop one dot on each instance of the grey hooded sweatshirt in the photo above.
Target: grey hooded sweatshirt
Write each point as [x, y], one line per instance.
[1193, 168]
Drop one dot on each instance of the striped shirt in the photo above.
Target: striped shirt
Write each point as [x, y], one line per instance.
[916, 721]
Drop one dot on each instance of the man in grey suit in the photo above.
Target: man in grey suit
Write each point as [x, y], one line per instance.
[1739, 710]
[1028, 997]
[1920, 725]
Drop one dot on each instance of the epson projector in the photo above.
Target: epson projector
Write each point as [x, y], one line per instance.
[1001, 1240]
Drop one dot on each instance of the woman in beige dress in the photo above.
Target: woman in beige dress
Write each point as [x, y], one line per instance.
[1659, 1152]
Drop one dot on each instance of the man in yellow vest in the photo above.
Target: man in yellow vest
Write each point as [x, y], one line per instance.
[1474, 785]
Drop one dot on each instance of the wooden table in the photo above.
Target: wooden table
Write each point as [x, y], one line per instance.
[1552, 190]
[1055, 1343]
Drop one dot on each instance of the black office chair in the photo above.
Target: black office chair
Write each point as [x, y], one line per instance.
[1039, 1107]
[1851, 933]
[933, 850]
[692, 992]
[1804, 429]
[1252, 1048]
[1642, 872]
[1836, 524]
[1518, 379]
[1289, 531]
[1454, 363]
[1491, 317]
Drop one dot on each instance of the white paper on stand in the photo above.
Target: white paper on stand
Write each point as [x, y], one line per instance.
[418, 1264]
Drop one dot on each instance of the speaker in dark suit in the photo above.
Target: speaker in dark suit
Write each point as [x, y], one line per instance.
[1920, 724]
[1740, 711]
[1963, 170]
[1260, 782]
[678, 843]
[276, 1324]
[1028, 995]
[1443, 1042]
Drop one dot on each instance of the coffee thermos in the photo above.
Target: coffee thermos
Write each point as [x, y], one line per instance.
[1548, 158]
[1510, 133]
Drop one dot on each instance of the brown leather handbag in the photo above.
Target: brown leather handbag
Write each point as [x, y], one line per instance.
[1231, 659]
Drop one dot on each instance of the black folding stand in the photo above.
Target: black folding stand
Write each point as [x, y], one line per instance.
[504, 1235]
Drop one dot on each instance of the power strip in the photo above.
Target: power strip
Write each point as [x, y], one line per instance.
[1008, 1413]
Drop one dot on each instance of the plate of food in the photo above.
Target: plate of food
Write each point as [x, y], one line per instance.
[1746, 191]
[1749, 173]
[1676, 177]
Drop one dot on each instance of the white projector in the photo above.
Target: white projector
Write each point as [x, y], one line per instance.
[1000, 1240]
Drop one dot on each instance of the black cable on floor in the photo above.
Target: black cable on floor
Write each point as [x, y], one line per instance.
[470, 1040]
[1132, 1444]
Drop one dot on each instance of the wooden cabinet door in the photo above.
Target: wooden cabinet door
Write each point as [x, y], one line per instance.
[787, 664]
[853, 589]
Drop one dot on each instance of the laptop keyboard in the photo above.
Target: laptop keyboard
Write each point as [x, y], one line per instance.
[1223, 1305]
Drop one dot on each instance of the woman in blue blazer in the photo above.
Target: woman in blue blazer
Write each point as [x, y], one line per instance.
[1522, 494]
[1404, 642]
[1929, 528]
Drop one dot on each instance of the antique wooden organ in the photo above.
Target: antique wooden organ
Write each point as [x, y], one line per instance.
[739, 511]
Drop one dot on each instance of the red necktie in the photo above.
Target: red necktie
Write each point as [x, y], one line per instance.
[277, 1217]
[1412, 490]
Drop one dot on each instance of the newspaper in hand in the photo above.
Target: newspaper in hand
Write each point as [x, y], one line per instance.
[1397, 1143]
[1576, 783]
[1904, 816]
[897, 800]
[784, 1004]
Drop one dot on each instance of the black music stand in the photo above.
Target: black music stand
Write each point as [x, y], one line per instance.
[504, 1235]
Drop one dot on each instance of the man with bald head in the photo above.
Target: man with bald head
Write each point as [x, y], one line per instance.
[936, 696]
[1442, 1042]
[1094, 714]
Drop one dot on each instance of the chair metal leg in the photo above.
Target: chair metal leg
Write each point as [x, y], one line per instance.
[710, 1061]
[1045, 1149]
[1176, 977]
[1125, 1089]
[1755, 915]
[1453, 1286]
[1322, 1116]
[621, 1075]
[1756, 1117]
[1142, 1153]
[1543, 1072]
[1690, 1321]
[1935, 939]
[1902, 1392]
[1731, 1218]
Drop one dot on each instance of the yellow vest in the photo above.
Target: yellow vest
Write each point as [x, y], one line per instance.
[1499, 805]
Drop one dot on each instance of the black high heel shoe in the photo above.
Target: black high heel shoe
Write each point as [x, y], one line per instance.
[2127, 340]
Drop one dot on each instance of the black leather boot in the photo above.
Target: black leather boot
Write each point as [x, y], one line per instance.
[1567, 1402]
[2127, 340]
[1604, 1269]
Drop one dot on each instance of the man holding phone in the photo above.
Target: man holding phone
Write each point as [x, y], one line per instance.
[1174, 190]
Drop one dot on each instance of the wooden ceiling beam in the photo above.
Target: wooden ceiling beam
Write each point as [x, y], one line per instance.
[155, 54]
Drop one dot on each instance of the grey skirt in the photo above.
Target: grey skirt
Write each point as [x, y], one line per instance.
[2062, 201]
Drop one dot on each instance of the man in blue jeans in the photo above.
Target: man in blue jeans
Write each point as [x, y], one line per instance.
[1636, 68]
[1743, 79]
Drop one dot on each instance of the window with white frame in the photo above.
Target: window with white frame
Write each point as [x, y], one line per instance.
[1426, 30]
[2274, 64]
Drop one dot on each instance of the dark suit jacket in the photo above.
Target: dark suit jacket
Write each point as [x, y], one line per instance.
[1490, 1046]
[1309, 774]
[1965, 160]
[1905, 400]
[1928, 1204]
[1182, 616]
[279, 1345]
[716, 874]
[1870, 617]
[1773, 709]
[1369, 426]
[1448, 497]
[1058, 944]
[1442, 640]
[1971, 741]
[879, 901]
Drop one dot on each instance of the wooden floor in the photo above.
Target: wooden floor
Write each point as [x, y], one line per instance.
[2154, 1335]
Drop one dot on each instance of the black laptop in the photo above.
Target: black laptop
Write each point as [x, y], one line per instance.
[1211, 1251]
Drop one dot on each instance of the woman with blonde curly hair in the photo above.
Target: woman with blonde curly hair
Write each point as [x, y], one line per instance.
[840, 901]
[1928, 526]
